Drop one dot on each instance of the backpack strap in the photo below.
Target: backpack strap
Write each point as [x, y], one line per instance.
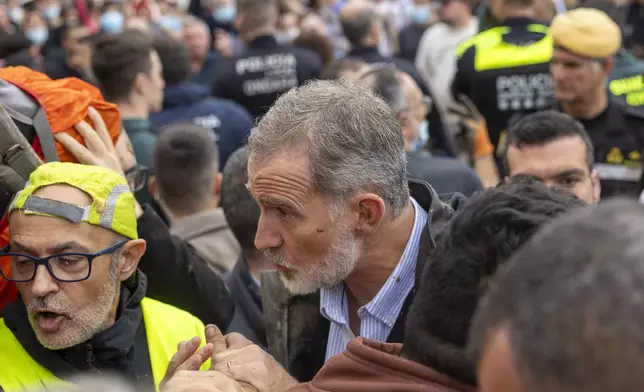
[43, 130]
[15, 150]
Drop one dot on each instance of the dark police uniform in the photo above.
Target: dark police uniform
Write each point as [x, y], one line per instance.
[626, 82]
[618, 137]
[504, 71]
[257, 77]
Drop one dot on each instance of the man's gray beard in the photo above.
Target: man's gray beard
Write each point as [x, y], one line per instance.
[82, 324]
[332, 269]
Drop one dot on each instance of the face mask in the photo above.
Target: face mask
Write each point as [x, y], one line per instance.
[173, 23]
[16, 15]
[38, 36]
[288, 36]
[52, 12]
[423, 136]
[112, 22]
[420, 14]
[225, 15]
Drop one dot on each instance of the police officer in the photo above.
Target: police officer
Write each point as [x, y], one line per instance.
[585, 42]
[626, 83]
[257, 77]
[504, 70]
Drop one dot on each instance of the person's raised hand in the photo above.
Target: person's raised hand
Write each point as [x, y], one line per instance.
[189, 357]
[194, 381]
[249, 365]
[98, 149]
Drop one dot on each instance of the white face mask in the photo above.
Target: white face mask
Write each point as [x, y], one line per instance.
[288, 36]
[16, 15]
[423, 136]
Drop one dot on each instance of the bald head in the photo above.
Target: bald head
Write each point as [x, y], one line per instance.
[359, 23]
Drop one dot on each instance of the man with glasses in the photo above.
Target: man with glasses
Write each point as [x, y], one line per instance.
[74, 252]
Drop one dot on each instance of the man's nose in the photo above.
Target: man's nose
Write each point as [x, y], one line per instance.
[43, 282]
[267, 235]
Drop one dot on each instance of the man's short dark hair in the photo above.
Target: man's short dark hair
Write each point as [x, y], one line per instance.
[356, 28]
[571, 303]
[387, 82]
[186, 161]
[175, 59]
[335, 69]
[545, 127]
[241, 210]
[477, 240]
[118, 59]
[258, 13]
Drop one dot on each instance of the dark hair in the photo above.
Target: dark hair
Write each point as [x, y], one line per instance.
[545, 127]
[185, 163]
[335, 69]
[13, 43]
[175, 59]
[477, 240]
[241, 210]
[118, 59]
[319, 44]
[570, 303]
[357, 28]
[258, 13]
[387, 83]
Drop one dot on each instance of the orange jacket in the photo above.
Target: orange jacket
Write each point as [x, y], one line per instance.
[66, 103]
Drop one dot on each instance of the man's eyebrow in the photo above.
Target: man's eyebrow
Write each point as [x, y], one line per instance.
[60, 248]
[570, 172]
[274, 202]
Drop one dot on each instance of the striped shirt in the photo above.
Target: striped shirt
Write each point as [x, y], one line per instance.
[378, 317]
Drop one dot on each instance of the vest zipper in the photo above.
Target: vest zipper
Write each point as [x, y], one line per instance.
[89, 356]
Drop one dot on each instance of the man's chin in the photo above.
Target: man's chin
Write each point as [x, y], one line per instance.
[297, 284]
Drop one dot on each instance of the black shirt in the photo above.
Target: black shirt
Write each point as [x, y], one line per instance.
[618, 137]
[257, 77]
[409, 39]
[505, 71]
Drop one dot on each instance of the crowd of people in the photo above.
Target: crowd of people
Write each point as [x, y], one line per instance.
[321, 195]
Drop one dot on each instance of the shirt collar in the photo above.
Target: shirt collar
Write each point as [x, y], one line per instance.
[386, 305]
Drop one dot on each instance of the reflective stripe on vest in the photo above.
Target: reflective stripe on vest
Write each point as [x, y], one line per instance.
[630, 88]
[166, 326]
[613, 172]
[493, 53]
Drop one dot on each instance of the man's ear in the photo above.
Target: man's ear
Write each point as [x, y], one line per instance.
[607, 65]
[139, 82]
[370, 211]
[152, 186]
[597, 187]
[129, 258]
[217, 185]
[405, 125]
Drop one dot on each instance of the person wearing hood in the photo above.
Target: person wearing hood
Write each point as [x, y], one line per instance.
[186, 101]
[86, 309]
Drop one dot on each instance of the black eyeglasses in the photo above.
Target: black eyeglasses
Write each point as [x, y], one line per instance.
[64, 267]
[137, 177]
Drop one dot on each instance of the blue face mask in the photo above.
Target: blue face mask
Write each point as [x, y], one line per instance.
[112, 22]
[420, 14]
[38, 36]
[423, 136]
[16, 15]
[173, 23]
[225, 15]
[52, 12]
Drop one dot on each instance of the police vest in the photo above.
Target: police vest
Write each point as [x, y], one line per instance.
[166, 326]
[629, 89]
[493, 53]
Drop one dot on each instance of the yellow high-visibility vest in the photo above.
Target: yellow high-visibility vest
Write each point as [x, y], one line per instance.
[165, 327]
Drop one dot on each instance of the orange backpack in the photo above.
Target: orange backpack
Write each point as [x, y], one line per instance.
[38, 108]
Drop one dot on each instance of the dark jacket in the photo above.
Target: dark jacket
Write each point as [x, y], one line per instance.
[626, 82]
[143, 142]
[409, 39]
[206, 76]
[442, 140]
[192, 102]
[371, 366]
[248, 319]
[178, 277]
[446, 175]
[121, 348]
[263, 72]
[307, 330]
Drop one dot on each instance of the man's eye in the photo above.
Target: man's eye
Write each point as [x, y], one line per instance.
[568, 181]
[284, 214]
